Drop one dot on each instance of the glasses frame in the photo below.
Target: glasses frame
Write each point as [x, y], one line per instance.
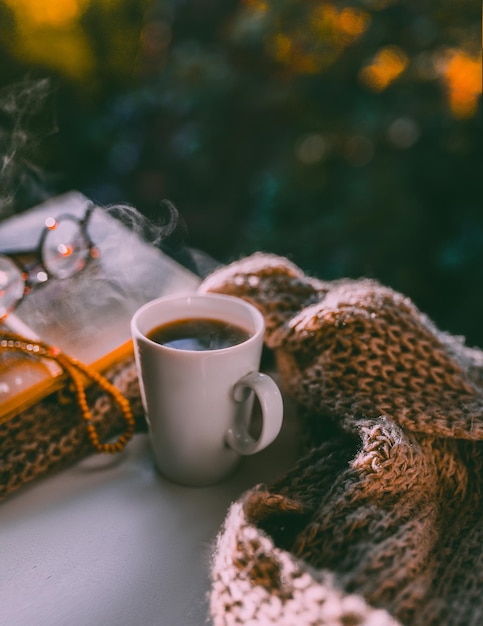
[37, 253]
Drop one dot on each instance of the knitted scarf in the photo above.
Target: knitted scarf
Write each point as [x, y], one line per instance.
[380, 521]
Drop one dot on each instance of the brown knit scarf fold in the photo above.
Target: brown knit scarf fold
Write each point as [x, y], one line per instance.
[380, 521]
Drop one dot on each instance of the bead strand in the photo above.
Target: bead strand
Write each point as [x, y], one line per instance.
[76, 371]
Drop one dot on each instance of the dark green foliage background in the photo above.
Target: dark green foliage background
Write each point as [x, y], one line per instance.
[215, 125]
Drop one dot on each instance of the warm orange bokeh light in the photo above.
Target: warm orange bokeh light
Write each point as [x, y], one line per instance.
[313, 48]
[342, 26]
[386, 66]
[462, 75]
[51, 223]
[48, 12]
[354, 22]
[65, 250]
[49, 32]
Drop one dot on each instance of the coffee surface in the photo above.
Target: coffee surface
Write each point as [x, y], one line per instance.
[199, 334]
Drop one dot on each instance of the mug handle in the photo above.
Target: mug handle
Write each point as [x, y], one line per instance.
[271, 403]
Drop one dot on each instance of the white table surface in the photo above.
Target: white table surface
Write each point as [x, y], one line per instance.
[110, 542]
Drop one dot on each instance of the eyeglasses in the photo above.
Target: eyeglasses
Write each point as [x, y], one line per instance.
[64, 249]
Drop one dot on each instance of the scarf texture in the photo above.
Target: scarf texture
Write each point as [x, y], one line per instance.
[380, 521]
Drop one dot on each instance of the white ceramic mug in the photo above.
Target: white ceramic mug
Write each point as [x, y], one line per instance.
[199, 403]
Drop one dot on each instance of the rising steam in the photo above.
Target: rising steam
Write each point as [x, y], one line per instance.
[24, 122]
[26, 118]
[157, 233]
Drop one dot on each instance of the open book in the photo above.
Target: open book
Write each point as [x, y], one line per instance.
[86, 316]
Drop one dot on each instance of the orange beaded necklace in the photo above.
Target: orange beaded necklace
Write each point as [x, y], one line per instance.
[77, 372]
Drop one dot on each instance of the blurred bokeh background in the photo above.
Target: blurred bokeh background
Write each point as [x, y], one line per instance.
[343, 134]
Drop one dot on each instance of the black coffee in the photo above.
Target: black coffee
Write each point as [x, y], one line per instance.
[199, 334]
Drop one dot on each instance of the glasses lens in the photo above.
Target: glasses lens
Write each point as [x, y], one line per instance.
[12, 285]
[65, 249]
